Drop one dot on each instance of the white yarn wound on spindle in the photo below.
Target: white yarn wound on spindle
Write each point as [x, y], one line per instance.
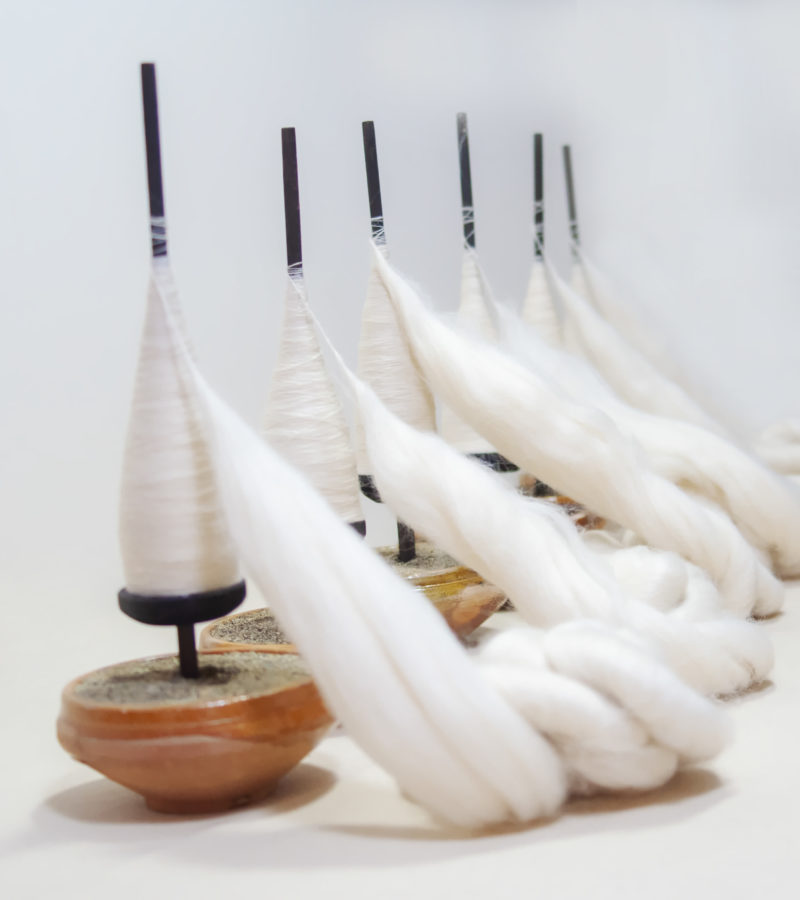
[476, 310]
[579, 451]
[531, 550]
[475, 315]
[632, 376]
[404, 688]
[173, 533]
[764, 505]
[385, 363]
[304, 419]
[539, 307]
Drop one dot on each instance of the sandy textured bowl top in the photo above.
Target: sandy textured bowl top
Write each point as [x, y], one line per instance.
[428, 559]
[257, 626]
[157, 681]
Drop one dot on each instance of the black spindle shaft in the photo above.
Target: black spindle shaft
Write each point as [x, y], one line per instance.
[187, 651]
[571, 209]
[538, 197]
[467, 208]
[158, 231]
[373, 183]
[406, 542]
[291, 204]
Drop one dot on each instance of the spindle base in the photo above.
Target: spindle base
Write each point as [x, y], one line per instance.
[225, 740]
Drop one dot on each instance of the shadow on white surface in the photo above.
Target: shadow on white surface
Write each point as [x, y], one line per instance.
[103, 802]
[689, 792]
[295, 828]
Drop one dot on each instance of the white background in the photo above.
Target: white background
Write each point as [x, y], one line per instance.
[685, 123]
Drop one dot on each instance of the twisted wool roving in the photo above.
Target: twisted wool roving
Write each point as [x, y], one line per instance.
[475, 745]
[779, 446]
[173, 534]
[578, 450]
[632, 376]
[588, 282]
[764, 505]
[304, 420]
[532, 551]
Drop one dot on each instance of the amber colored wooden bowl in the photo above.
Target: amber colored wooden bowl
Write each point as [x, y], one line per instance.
[195, 756]
[460, 594]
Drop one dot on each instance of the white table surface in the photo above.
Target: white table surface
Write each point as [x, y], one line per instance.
[337, 826]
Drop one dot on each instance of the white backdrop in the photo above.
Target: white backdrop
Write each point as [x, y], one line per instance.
[686, 134]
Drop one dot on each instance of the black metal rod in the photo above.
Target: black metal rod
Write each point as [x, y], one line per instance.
[187, 652]
[291, 203]
[158, 232]
[538, 197]
[571, 209]
[373, 182]
[467, 208]
[406, 542]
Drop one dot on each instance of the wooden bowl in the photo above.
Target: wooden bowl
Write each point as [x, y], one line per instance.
[196, 754]
[460, 594]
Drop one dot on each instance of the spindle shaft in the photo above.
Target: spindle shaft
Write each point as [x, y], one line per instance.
[467, 208]
[291, 204]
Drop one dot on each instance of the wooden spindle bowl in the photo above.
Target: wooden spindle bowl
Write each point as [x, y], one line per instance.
[201, 754]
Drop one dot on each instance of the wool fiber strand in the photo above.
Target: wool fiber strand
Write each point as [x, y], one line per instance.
[578, 451]
[764, 506]
[533, 552]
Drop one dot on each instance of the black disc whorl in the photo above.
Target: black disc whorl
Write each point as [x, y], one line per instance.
[496, 461]
[183, 609]
[368, 489]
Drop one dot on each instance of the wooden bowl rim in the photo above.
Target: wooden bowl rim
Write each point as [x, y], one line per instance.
[190, 709]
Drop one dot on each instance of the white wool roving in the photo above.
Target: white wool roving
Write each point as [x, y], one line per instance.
[173, 534]
[407, 691]
[533, 552]
[630, 374]
[304, 420]
[589, 283]
[779, 446]
[385, 363]
[539, 307]
[578, 451]
[659, 578]
[476, 315]
[764, 505]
